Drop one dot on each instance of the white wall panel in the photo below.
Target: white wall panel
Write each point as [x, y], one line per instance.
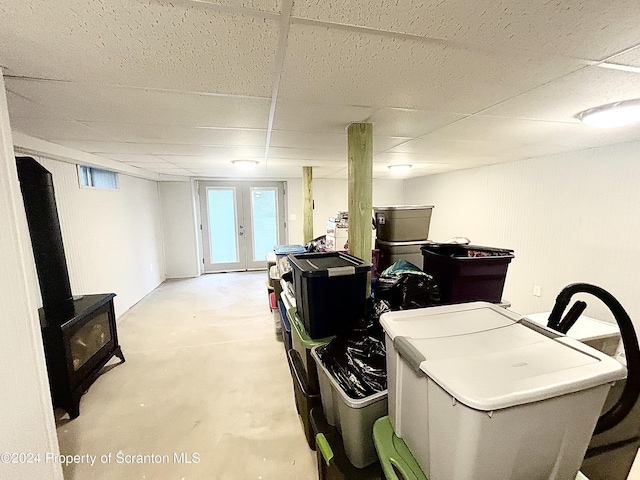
[332, 195]
[26, 416]
[569, 217]
[179, 229]
[112, 238]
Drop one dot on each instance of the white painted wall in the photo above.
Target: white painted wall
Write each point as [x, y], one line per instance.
[179, 227]
[330, 197]
[112, 238]
[569, 218]
[26, 416]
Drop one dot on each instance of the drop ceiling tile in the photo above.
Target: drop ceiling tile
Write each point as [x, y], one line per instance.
[271, 6]
[417, 170]
[563, 98]
[356, 68]
[307, 154]
[329, 142]
[591, 30]
[132, 158]
[439, 156]
[449, 149]
[318, 117]
[335, 143]
[178, 135]
[100, 103]
[151, 148]
[20, 107]
[288, 162]
[147, 44]
[400, 122]
[503, 131]
[54, 129]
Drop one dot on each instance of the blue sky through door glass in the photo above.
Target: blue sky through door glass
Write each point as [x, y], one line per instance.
[265, 221]
[222, 225]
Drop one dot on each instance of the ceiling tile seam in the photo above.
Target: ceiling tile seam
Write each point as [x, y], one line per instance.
[622, 52]
[135, 87]
[475, 47]
[158, 144]
[92, 123]
[278, 70]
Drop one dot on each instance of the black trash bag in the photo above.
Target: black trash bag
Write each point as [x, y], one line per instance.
[370, 323]
[357, 362]
[407, 290]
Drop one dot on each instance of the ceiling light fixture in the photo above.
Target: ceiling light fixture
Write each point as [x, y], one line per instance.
[612, 115]
[399, 168]
[245, 164]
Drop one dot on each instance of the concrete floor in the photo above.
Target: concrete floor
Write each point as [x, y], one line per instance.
[205, 375]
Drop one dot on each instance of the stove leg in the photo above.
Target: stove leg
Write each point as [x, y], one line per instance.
[118, 353]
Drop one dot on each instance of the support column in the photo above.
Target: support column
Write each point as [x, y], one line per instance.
[360, 137]
[307, 203]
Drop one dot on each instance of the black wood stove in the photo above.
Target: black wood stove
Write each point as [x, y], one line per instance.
[79, 333]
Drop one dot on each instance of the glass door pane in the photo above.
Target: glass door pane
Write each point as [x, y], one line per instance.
[264, 214]
[222, 225]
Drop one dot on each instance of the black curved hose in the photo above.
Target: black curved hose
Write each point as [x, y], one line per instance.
[631, 389]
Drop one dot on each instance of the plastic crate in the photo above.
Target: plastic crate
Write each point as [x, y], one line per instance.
[354, 418]
[464, 278]
[391, 252]
[403, 223]
[286, 326]
[304, 398]
[333, 463]
[303, 344]
[330, 290]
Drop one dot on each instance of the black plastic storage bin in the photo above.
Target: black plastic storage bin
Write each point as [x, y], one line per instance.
[330, 291]
[333, 463]
[467, 273]
[286, 326]
[305, 400]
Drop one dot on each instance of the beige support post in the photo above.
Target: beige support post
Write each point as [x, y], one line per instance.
[360, 137]
[307, 203]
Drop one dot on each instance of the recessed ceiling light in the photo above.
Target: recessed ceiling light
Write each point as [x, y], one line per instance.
[399, 168]
[245, 164]
[612, 115]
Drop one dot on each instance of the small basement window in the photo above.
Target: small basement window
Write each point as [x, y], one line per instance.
[97, 178]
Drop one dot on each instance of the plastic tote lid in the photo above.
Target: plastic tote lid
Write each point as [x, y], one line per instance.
[505, 366]
[328, 264]
[287, 249]
[403, 207]
[447, 320]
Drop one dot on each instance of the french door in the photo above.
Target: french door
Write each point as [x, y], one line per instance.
[241, 223]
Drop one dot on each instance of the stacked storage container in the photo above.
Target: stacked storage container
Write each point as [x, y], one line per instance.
[330, 291]
[354, 418]
[400, 232]
[479, 393]
[467, 273]
[330, 296]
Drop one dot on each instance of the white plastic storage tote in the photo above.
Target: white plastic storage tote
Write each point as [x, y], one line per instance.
[479, 393]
